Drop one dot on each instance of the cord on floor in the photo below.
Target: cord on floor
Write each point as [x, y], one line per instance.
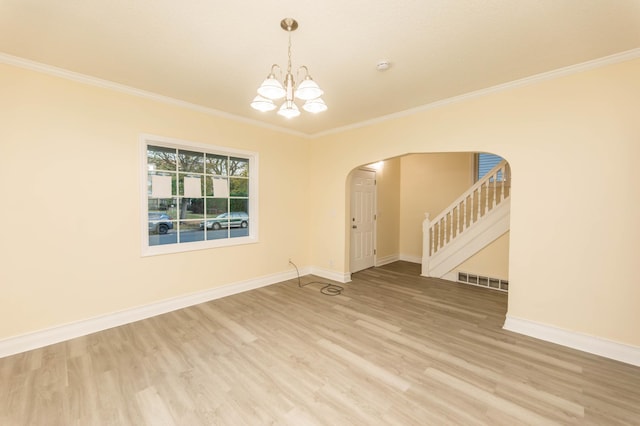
[328, 289]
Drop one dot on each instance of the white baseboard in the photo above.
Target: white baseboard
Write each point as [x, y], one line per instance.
[450, 276]
[49, 336]
[385, 260]
[584, 342]
[410, 258]
[330, 275]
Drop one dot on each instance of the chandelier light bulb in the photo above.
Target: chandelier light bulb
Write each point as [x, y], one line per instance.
[262, 104]
[289, 110]
[315, 106]
[272, 89]
[308, 89]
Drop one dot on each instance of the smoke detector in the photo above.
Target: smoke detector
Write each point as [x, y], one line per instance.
[383, 65]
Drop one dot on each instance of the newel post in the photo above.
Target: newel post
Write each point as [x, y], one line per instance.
[426, 244]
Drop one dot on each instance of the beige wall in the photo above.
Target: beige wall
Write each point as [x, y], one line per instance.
[388, 209]
[69, 158]
[571, 266]
[492, 261]
[69, 178]
[429, 183]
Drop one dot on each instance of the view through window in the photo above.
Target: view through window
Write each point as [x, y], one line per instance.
[197, 198]
[484, 164]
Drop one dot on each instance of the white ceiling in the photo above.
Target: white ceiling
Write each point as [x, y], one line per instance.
[215, 53]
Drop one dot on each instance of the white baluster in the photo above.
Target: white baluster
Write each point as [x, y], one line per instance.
[471, 197]
[426, 244]
[456, 222]
[486, 198]
[433, 239]
[495, 189]
[504, 181]
[446, 229]
[464, 214]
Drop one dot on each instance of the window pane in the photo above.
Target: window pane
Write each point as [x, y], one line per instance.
[238, 167]
[161, 223]
[190, 185]
[191, 161]
[486, 162]
[191, 208]
[160, 158]
[239, 218]
[216, 234]
[161, 184]
[218, 226]
[239, 232]
[163, 205]
[160, 239]
[190, 231]
[239, 205]
[238, 187]
[217, 187]
[218, 221]
[216, 206]
[208, 187]
[216, 165]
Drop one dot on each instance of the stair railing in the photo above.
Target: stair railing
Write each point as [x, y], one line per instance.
[469, 208]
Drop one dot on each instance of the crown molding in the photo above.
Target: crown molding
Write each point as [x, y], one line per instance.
[106, 84]
[549, 75]
[110, 85]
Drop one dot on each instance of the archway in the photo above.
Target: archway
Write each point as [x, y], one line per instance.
[410, 185]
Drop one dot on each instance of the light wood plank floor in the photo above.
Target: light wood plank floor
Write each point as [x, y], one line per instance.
[394, 349]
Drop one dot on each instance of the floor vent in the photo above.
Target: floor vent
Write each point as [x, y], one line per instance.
[480, 281]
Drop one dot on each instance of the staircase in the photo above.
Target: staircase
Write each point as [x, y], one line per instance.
[475, 219]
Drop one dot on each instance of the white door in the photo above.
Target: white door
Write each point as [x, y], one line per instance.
[363, 217]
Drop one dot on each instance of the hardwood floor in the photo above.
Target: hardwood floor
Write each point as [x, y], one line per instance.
[393, 349]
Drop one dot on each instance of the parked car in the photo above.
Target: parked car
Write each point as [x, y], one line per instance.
[160, 223]
[225, 220]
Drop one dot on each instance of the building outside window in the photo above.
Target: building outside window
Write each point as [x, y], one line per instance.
[485, 163]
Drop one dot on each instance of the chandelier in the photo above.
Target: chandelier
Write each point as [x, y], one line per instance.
[272, 89]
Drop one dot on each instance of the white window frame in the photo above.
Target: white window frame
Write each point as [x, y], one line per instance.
[152, 250]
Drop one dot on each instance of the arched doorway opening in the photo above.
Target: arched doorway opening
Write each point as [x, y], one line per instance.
[410, 185]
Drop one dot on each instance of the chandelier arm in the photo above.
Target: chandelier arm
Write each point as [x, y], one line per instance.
[273, 68]
[306, 72]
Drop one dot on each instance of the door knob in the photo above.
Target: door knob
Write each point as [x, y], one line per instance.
[355, 226]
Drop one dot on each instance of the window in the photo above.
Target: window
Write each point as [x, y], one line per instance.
[484, 164]
[197, 196]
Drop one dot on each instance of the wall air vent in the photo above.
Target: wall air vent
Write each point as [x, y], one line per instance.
[480, 281]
